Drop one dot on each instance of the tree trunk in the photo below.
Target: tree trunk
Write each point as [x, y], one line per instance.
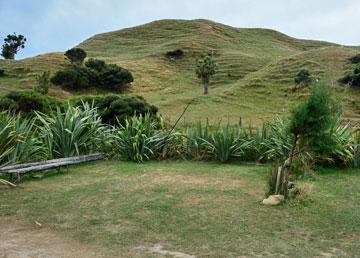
[206, 88]
[292, 151]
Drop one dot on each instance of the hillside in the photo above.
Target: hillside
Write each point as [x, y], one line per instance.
[256, 68]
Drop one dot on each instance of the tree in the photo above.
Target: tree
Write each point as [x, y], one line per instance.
[76, 55]
[43, 83]
[205, 68]
[309, 125]
[12, 44]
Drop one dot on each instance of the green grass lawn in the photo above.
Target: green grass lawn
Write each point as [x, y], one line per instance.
[198, 208]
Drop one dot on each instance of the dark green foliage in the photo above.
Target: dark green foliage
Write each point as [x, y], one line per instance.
[11, 46]
[205, 68]
[109, 76]
[114, 107]
[43, 83]
[113, 77]
[75, 77]
[347, 79]
[76, 55]
[95, 64]
[95, 73]
[175, 54]
[26, 102]
[355, 59]
[312, 121]
[2, 72]
[303, 76]
[352, 79]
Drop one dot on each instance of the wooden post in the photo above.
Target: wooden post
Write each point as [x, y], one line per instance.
[240, 121]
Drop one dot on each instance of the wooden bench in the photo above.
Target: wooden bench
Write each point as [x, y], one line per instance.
[20, 169]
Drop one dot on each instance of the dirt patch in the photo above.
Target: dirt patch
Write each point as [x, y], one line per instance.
[158, 249]
[170, 178]
[19, 239]
[190, 202]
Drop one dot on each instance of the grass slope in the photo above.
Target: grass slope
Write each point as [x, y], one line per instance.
[198, 208]
[256, 67]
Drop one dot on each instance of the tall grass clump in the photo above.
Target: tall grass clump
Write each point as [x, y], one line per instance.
[194, 141]
[74, 131]
[226, 143]
[18, 140]
[133, 141]
[8, 137]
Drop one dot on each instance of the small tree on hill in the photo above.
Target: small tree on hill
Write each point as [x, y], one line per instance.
[76, 55]
[11, 46]
[205, 68]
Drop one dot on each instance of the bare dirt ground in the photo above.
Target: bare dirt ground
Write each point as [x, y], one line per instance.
[22, 240]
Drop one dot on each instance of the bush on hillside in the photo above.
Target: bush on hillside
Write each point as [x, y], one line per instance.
[352, 79]
[175, 54]
[2, 72]
[114, 77]
[355, 59]
[26, 102]
[303, 76]
[95, 73]
[76, 55]
[75, 77]
[114, 107]
[109, 76]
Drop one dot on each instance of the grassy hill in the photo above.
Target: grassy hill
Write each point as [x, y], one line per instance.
[256, 68]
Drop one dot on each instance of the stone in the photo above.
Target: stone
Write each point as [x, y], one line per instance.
[273, 200]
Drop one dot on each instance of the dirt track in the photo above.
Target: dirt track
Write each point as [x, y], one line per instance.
[21, 240]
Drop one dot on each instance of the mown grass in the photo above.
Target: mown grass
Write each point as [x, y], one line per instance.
[256, 68]
[204, 209]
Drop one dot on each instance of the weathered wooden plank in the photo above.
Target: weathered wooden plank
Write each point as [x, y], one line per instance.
[38, 166]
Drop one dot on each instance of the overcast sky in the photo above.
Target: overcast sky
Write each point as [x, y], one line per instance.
[56, 25]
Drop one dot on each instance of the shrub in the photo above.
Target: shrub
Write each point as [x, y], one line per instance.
[75, 78]
[95, 73]
[2, 72]
[175, 54]
[114, 77]
[303, 76]
[26, 102]
[355, 59]
[74, 131]
[76, 55]
[95, 64]
[347, 79]
[115, 108]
